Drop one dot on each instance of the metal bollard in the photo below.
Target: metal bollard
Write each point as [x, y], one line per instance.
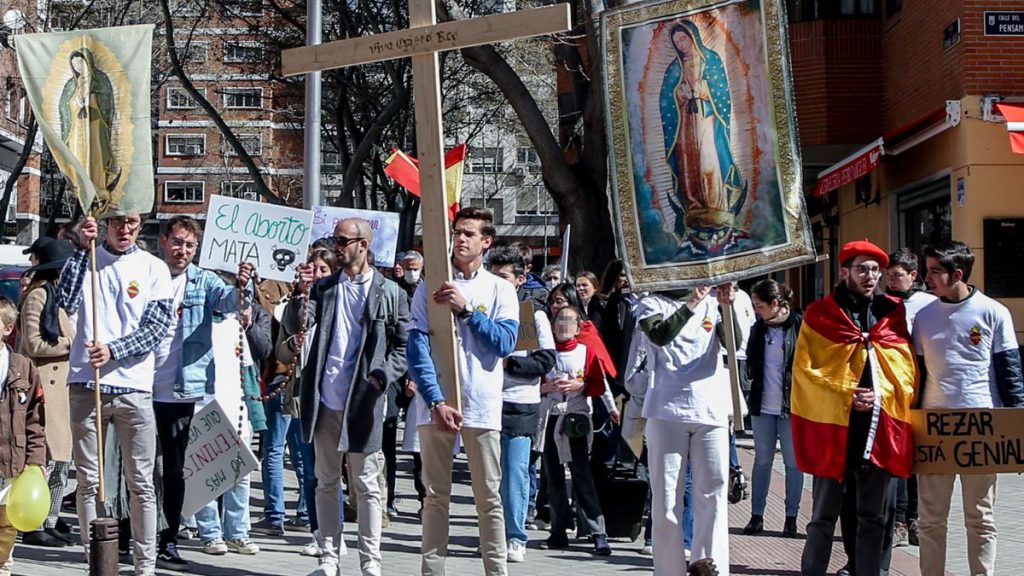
[103, 554]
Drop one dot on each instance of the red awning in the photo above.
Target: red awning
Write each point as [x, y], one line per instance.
[848, 170]
[1014, 114]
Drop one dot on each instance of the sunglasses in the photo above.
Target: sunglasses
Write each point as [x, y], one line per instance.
[343, 241]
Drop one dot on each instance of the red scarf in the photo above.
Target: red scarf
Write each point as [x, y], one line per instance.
[593, 374]
[591, 338]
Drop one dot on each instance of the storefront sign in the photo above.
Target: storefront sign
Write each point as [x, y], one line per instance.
[215, 460]
[850, 170]
[951, 35]
[968, 441]
[274, 239]
[1004, 23]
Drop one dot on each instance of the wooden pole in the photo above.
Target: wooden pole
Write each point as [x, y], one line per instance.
[102, 494]
[733, 365]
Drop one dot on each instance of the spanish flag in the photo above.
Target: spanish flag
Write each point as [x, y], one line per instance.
[831, 354]
[405, 170]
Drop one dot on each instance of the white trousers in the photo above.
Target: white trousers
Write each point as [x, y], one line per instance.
[670, 445]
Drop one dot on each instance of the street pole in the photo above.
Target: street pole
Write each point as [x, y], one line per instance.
[311, 146]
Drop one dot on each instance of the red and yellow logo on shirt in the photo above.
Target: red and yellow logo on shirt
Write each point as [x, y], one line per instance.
[707, 324]
[133, 289]
[976, 335]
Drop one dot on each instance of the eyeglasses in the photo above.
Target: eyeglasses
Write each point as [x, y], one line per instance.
[343, 241]
[179, 243]
[119, 222]
[862, 270]
[558, 301]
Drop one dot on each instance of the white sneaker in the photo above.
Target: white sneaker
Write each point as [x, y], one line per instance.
[687, 553]
[647, 550]
[328, 565]
[516, 551]
[243, 546]
[215, 547]
[312, 549]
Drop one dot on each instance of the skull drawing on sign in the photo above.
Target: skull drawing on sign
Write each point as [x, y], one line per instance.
[283, 258]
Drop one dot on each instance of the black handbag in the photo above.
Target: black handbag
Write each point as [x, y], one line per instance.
[576, 425]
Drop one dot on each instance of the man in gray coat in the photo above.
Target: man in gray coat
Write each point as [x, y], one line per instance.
[358, 350]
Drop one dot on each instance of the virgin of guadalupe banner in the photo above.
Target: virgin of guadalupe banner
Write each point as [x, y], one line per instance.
[89, 91]
[705, 159]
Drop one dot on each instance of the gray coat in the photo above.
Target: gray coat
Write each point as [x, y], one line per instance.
[382, 355]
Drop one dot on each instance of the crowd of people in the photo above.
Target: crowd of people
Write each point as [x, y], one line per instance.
[327, 369]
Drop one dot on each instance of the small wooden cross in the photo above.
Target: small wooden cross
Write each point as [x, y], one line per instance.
[422, 41]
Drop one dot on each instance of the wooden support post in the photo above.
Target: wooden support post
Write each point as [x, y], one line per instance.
[733, 365]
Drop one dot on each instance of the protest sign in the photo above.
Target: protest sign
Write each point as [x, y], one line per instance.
[528, 339]
[216, 458]
[968, 440]
[383, 224]
[274, 239]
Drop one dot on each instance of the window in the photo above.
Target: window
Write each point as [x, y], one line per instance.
[184, 192]
[243, 98]
[9, 105]
[235, 52]
[528, 159]
[196, 52]
[179, 99]
[534, 201]
[495, 205]
[185, 145]
[331, 158]
[243, 8]
[188, 7]
[241, 190]
[22, 111]
[252, 143]
[484, 160]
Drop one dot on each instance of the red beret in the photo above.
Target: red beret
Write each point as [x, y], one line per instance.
[863, 248]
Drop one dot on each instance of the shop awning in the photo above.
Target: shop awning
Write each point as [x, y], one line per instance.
[863, 161]
[1014, 114]
[849, 169]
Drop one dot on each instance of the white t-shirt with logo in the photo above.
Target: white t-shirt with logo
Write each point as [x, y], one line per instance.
[520, 390]
[167, 355]
[958, 341]
[481, 370]
[127, 284]
[914, 304]
[688, 382]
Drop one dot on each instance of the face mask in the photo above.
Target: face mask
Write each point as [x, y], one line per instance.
[551, 284]
[412, 276]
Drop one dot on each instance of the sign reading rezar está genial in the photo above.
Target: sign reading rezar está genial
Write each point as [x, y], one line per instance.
[968, 440]
[274, 239]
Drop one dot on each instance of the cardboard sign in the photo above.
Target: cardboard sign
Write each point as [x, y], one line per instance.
[275, 239]
[216, 458]
[528, 339]
[968, 440]
[383, 224]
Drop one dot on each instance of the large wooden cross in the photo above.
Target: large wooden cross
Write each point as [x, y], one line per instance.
[422, 41]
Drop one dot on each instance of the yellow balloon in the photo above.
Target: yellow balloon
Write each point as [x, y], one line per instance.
[28, 501]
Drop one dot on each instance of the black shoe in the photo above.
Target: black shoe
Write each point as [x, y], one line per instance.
[601, 547]
[755, 526]
[268, 528]
[738, 491]
[789, 529]
[67, 538]
[42, 538]
[169, 558]
[554, 542]
[63, 527]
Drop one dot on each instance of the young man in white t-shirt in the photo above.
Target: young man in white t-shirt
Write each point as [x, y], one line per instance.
[133, 314]
[969, 358]
[487, 312]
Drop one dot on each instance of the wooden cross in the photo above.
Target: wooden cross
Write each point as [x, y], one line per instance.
[422, 41]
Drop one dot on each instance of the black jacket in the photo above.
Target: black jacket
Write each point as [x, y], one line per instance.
[755, 361]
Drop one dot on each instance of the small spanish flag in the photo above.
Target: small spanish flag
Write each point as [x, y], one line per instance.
[405, 170]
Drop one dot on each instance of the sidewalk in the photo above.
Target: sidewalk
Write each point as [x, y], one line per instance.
[763, 555]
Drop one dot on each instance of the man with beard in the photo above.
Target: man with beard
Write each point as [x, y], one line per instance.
[854, 380]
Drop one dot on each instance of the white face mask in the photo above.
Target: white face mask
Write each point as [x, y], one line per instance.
[412, 276]
[551, 284]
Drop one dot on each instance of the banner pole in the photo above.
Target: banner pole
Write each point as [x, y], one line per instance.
[733, 365]
[102, 494]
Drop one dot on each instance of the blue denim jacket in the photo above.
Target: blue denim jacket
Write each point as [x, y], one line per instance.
[204, 293]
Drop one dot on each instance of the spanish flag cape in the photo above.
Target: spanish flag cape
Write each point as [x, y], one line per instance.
[831, 354]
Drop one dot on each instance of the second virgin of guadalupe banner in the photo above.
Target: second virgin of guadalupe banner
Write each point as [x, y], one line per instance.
[705, 158]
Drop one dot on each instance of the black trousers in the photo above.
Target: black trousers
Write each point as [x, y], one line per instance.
[417, 477]
[389, 445]
[869, 487]
[582, 484]
[173, 422]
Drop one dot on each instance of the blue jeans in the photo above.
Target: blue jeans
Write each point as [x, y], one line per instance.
[734, 456]
[767, 430]
[687, 512]
[515, 485]
[304, 463]
[273, 441]
[235, 515]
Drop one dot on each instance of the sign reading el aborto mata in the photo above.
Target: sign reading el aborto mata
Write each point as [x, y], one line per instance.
[216, 458]
[274, 239]
[968, 440]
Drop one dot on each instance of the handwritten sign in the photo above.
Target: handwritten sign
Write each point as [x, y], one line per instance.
[383, 224]
[275, 239]
[528, 338]
[968, 441]
[216, 458]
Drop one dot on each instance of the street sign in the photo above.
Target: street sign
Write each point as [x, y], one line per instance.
[1004, 23]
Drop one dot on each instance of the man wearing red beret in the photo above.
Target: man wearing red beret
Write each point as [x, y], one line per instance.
[854, 379]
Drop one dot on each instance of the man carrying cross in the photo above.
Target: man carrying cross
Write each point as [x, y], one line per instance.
[487, 309]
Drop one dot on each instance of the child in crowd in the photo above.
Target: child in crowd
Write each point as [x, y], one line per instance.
[21, 398]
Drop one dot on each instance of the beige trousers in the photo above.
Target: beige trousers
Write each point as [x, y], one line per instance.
[483, 449]
[934, 492]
